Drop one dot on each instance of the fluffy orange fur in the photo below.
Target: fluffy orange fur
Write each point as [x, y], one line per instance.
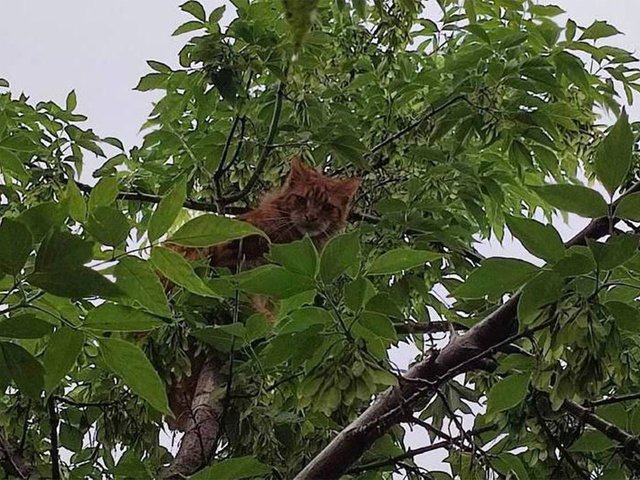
[309, 203]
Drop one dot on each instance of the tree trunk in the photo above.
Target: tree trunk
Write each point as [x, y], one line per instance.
[198, 443]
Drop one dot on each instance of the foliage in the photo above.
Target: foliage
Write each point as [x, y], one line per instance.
[461, 123]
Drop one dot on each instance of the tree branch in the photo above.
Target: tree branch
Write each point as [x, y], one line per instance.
[264, 155]
[432, 111]
[53, 437]
[198, 442]
[608, 401]
[630, 443]
[392, 404]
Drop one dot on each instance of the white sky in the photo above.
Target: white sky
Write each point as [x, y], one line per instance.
[99, 48]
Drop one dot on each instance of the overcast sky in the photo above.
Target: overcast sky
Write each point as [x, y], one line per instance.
[99, 48]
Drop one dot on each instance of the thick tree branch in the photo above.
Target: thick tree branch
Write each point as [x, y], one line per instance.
[392, 405]
[198, 442]
[630, 443]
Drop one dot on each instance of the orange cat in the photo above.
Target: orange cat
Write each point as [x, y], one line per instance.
[309, 203]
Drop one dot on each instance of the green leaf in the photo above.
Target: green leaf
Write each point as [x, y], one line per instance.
[358, 292]
[339, 254]
[173, 266]
[153, 81]
[74, 282]
[495, 277]
[300, 256]
[210, 229]
[613, 158]
[304, 318]
[61, 251]
[77, 206]
[25, 326]
[615, 251]
[72, 101]
[108, 225]
[540, 240]
[379, 324]
[275, 281]
[16, 244]
[627, 317]
[575, 263]
[159, 66]
[132, 366]
[104, 193]
[599, 29]
[544, 289]
[234, 469]
[508, 393]
[60, 356]
[591, 441]
[575, 199]
[140, 282]
[506, 463]
[4, 83]
[629, 207]
[41, 218]
[184, 28]
[195, 9]
[401, 259]
[12, 163]
[24, 369]
[167, 210]
[110, 317]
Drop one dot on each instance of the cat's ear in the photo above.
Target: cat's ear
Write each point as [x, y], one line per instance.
[299, 171]
[348, 188]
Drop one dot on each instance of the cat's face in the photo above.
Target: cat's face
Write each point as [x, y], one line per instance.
[316, 205]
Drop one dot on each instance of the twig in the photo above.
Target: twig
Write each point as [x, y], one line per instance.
[53, 426]
[393, 460]
[75, 403]
[430, 113]
[264, 155]
[611, 400]
[223, 158]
